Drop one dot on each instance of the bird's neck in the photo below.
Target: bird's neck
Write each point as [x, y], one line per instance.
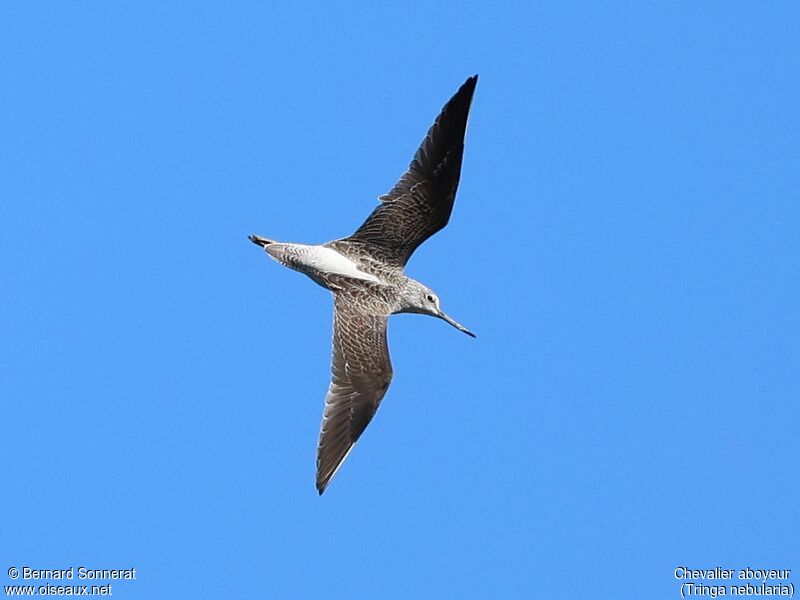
[407, 301]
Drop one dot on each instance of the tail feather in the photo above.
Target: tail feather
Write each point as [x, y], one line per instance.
[260, 241]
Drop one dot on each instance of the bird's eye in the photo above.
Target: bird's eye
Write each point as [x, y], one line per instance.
[430, 298]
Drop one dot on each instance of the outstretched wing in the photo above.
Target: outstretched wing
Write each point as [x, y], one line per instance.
[420, 203]
[361, 372]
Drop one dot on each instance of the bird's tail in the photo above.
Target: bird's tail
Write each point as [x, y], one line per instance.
[260, 241]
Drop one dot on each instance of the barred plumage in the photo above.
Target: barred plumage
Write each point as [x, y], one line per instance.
[365, 273]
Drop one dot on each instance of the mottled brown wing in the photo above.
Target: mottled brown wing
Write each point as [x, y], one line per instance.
[420, 203]
[361, 372]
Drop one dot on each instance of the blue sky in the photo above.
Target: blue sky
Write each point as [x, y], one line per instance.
[625, 243]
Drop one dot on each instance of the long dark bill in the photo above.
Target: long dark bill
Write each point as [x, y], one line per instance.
[456, 324]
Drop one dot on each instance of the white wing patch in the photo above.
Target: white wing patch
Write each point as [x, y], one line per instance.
[329, 260]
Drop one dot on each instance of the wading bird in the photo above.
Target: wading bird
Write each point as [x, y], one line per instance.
[365, 273]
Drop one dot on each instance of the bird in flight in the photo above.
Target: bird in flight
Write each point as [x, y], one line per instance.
[365, 274]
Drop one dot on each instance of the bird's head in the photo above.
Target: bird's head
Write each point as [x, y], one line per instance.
[418, 298]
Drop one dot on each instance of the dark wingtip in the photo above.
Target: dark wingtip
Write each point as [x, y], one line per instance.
[468, 87]
[455, 112]
[470, 84]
